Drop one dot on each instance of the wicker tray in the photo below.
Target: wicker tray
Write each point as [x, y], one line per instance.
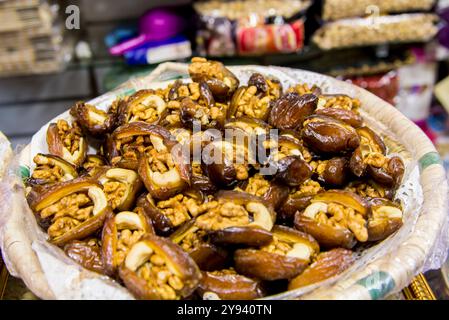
[382, 270]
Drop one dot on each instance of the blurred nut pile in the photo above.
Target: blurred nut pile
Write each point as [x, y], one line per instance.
[376, 30]
[242, 9]
[168, 226]
[340, 9]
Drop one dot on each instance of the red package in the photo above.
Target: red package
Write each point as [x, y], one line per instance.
[271, 38]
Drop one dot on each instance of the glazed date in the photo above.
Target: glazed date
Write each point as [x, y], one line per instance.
[347, 116]
[72, 210]
[66, 141]
[291, 109]
[93, 121]
[86, 253]
[335, 219]
[120, 233]
[285, 257]
[328, 264]
[121, 186]
[327, 135]
[386, 219]
[206, 255]
[144, 106]
[229, 285]
[159, 258]
[51, 169]
[219, 79]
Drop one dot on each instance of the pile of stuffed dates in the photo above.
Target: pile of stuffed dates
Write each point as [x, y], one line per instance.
[168, 226]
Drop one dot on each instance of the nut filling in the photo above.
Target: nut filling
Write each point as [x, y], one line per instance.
[70, 135]
[257, 185]
[339, 216]
[308, 188]
[159, 276]
[131, 147]
[67, 213]
[50, 170]
[181, 208]
[228, 214]
[146, 107]
[249, 104]
[193, 240]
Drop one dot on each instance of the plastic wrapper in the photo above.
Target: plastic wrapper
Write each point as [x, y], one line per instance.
[355, 32]
[339, 9]
[385, 86]
[250, 27]
[380, 270]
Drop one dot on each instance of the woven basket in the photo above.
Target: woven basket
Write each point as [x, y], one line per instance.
[381, 270]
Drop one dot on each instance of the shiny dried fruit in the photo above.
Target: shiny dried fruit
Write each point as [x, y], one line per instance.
[287, 255]
[156, 268]
[250, 126]
[298, 199]
[229, 285]
[73, 210]
[130, 141]
[370, 159]
[92, 120]
[226, 162]
[66, 141]
[328, 264]
[286, 160]
[51, 169]
[220, 80]
[347, 116]
[201, 182]
[247, 235]
[237, 209]
[328, 135]
[198, 92]
[86, 253]
[293, 171]
[266, 86]
[390, 174]
[144, 105]
[171, 213]
[193, 240]
[271, 192]
[121, 186]
[120, 233]
[334, 218]
[386, 219]
[371, 151]
[333, 172]
[206, 116]
[163, 170]
[291, 109]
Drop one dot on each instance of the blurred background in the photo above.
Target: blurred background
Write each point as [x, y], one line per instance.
[54, 53]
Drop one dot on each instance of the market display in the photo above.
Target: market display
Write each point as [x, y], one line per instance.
[169, 226]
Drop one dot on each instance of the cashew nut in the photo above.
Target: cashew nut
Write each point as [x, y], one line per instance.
[313, 209]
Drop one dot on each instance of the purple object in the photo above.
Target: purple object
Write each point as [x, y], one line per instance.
[154, 25]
